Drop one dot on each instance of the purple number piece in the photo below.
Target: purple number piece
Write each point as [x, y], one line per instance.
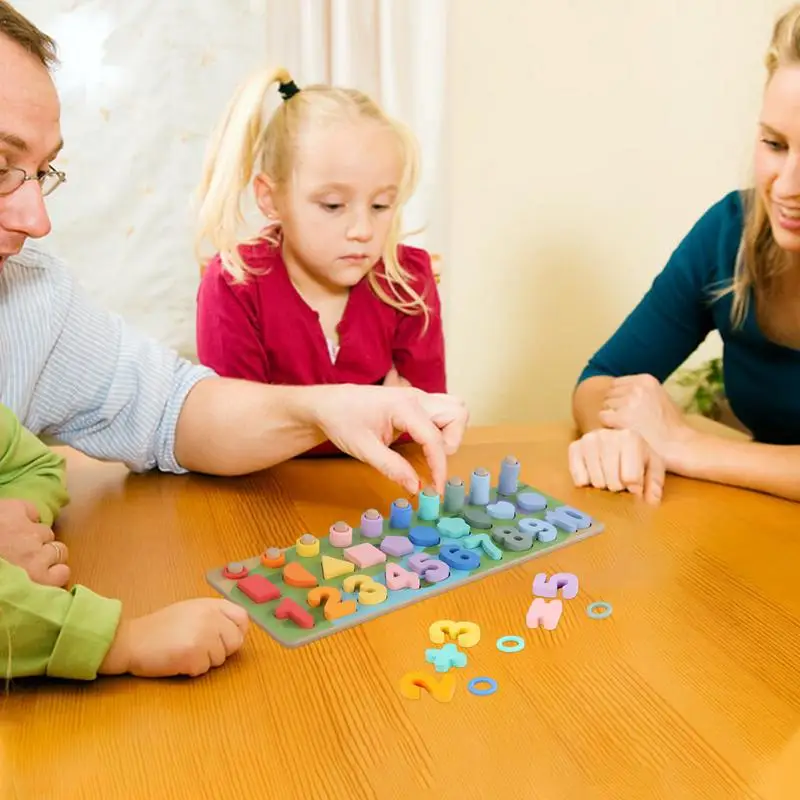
[548, 587]
[397, 546]
[428, 567]
[458, 558]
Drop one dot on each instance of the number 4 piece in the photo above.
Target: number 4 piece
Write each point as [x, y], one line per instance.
[546, 608]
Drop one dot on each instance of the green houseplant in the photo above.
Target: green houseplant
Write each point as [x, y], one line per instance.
[703, 389]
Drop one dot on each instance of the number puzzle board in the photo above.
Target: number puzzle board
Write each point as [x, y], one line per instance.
[575, 527]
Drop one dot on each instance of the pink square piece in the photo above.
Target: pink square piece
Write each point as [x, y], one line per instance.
[258, 588]
[364, 555]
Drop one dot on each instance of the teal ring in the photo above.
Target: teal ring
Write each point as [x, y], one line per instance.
[510, 644]
[491, 686]
[592, 611]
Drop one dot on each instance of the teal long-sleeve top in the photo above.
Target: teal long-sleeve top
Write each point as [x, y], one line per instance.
[762, 379]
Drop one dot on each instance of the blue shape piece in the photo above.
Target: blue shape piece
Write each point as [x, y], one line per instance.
[446, 656]
[453, 527]
[457, 557]
[510, 644]
[599, 610]
[568, 519]
[501, 510]
[538, 528]
[491, 686]
[422, 536]
[531, 501]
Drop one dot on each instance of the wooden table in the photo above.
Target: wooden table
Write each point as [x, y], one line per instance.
[690, 689]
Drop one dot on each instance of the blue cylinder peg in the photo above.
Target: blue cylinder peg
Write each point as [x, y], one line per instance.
[454, 495]
[400, 514]
[428, 504]
[479, 487]
[509, 476]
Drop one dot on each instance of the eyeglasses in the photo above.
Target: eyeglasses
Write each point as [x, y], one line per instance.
[11, 178]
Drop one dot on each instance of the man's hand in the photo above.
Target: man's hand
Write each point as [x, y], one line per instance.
[30, 545]
[364, 420]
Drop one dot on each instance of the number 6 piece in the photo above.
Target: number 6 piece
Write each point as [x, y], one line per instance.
[327, 583]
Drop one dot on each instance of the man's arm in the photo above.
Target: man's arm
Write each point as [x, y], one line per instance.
[115, 394]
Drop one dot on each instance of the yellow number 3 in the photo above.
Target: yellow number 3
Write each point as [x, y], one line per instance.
[467, 634]
[370, 592]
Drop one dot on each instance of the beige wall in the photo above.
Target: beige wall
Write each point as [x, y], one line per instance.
[586, 138]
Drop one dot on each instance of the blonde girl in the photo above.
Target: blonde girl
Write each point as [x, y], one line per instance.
[321, 290]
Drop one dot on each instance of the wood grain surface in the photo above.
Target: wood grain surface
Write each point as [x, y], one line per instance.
[690, 689]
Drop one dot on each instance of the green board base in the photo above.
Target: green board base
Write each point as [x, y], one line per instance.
[289, 634]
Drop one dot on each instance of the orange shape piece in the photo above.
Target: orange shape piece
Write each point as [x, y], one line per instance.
[297, 575]
[334, 607]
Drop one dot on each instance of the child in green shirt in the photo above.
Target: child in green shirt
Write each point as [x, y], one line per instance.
[78, 634]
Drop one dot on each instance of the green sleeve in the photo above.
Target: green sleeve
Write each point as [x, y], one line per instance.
[29, 470]
[50, 631]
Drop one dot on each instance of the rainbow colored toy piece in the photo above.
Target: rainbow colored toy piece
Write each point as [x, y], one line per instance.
[325, 584]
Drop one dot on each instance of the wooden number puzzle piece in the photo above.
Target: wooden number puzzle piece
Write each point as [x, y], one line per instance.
[511, 538]
[458, 558]
[467, 634]
[297, 575]
[288, 609]
[428, 567]
[568, 519]
[334, 607]
[441, 688]
[483, 540]
[548, 587]
[399, 578]
[544, 612]
[370, 592]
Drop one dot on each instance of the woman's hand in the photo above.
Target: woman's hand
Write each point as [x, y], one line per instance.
[641, 404]
[617, 460]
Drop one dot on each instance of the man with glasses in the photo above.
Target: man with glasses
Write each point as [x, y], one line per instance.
[81, 376]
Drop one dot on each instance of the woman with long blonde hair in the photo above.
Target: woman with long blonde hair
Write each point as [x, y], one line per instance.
[737, 272]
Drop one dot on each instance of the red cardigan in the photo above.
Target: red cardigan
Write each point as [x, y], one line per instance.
[264, 331]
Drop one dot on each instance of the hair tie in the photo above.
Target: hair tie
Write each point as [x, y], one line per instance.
[288, 90]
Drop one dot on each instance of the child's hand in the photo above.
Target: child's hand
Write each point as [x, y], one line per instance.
[186, 638]
[393, 379]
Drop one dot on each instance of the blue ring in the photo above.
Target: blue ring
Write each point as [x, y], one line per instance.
[491, 689]
[508, 648]
[591, 610]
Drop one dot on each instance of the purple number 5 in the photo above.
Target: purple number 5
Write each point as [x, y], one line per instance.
[428, 567]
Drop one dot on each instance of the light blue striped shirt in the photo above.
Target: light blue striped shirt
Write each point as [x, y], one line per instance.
[80, 375]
